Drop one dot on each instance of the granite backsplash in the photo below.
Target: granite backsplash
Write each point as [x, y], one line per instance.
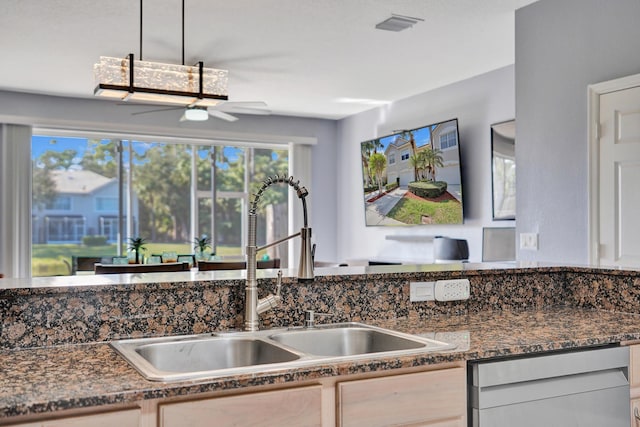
[40, 317]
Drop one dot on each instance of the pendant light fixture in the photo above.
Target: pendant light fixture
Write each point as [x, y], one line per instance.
[128, 79]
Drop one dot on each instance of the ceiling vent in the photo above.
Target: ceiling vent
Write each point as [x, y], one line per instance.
[397, 23]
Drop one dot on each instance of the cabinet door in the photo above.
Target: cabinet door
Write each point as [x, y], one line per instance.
[126, 418]
[634, 366]
[635, 413]
[435, 398]
[290, 407]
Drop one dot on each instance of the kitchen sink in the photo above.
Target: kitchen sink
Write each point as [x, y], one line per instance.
[235, 353]
[200, 356]
[346, 340]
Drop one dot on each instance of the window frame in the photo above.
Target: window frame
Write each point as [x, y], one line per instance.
[447, 135]
[244, 196]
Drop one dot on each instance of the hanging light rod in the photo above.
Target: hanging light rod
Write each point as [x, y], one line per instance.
[129, 80]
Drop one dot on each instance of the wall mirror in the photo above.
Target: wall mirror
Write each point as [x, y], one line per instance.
[503, 168]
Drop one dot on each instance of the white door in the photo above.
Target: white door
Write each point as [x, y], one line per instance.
[619, 178]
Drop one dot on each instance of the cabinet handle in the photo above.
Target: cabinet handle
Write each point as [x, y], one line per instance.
[636, 413]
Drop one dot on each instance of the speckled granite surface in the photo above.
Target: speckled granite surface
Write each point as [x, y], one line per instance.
[35, 381]
[54, 354]
[192, 303]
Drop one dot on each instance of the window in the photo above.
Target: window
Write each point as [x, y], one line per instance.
[405, 155]
[109, 204]
[392, 158]
[448, 140]
[172, 185]
[60, 203]
[65, 229]
[109, 228]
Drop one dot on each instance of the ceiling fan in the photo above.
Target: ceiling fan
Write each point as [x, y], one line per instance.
[221, 111]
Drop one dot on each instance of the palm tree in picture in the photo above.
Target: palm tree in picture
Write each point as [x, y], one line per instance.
[433, 159]
[418, 161]
[376, 145]
[366, 149]
[378, 164]
[408, 136]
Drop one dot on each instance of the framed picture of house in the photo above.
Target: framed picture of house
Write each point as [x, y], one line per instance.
[413, 177]
[503, 170]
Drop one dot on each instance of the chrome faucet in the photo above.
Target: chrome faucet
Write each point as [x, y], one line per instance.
[254, 307]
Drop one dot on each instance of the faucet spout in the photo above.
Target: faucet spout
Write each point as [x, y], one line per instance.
[253, 307]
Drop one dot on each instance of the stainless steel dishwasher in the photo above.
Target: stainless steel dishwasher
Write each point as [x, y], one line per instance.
[582, 388]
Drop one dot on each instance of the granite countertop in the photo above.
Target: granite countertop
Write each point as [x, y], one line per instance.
[42, 380]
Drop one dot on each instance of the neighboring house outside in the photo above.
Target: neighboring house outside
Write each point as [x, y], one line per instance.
[86, 204]
[444, 137]
[399, 166]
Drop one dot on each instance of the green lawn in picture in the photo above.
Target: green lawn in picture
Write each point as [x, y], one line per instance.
[55, 260]
[411, 211]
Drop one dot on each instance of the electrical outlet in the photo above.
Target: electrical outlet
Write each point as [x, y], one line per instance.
[529, 241]
[452, 290]
[421, 291]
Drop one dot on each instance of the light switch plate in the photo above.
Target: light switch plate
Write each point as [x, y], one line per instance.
[529, 241]
[421, 291]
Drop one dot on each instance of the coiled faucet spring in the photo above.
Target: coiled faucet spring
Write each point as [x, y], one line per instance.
[301, 191]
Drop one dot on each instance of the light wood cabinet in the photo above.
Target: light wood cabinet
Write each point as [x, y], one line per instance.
[124, 418]
[635, 413]
[434, 398]
[634, 383]
[289, 407]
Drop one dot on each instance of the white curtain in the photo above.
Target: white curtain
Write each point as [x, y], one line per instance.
[15, 200]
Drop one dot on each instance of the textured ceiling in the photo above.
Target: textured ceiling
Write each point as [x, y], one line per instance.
[316, 58]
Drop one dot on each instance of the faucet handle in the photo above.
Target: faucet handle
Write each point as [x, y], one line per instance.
[310, 318]
[271, 300]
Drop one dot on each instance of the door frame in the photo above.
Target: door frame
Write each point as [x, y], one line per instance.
[593, 133]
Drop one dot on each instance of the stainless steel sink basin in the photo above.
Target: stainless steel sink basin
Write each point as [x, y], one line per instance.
[348, 340]
[234, 353]
[200, 356]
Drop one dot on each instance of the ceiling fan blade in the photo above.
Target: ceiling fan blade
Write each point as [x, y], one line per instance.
[245, 107]
[221, 115]
[255, 111]
[243, 104]
[157, 110]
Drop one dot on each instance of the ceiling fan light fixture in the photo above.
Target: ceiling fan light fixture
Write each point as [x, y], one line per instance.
[196, 114]
[398, 23]
[129, 80]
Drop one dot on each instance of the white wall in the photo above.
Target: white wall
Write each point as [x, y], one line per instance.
[101, 115]
[477, 103]
[562, 46]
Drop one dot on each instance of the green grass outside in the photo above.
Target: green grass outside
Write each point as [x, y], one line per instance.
[49, 260]
[410, 211]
